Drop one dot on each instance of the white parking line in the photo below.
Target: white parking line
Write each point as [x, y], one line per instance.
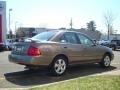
[2, 78]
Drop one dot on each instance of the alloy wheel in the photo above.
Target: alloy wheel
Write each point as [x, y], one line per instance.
[60, 66]
[107, 61]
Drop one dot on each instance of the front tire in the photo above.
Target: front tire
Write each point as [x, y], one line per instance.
[114, 48]
[106, 61]
[58, 66]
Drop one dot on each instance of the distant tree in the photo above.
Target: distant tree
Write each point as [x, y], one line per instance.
[10, 34]
[109, 19]
[91, 26]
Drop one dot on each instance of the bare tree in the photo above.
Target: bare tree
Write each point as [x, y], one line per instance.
[109, 19]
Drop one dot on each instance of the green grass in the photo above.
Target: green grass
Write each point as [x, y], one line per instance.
[106, 82]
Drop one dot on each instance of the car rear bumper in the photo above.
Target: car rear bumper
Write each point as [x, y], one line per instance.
[29, 60]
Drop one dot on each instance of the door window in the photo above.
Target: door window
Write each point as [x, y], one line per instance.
[84, 39]
[69, 37]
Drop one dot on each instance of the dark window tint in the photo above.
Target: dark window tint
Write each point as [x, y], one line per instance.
[44, 36]
[69, 37]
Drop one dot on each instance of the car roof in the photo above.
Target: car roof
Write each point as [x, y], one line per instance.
[69, 31]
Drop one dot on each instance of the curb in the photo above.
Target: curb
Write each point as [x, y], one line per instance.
[116, 72]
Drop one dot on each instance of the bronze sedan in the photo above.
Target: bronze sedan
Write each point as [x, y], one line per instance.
[58, 49]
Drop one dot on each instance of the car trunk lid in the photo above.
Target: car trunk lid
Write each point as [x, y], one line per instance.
[21, 48]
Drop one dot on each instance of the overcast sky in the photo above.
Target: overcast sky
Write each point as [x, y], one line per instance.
[57, 13]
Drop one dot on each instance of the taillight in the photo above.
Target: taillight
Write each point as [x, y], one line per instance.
[33, 51]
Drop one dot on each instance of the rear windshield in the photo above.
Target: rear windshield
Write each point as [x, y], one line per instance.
[44, 36]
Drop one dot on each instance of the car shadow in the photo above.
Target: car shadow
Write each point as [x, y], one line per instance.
[31, 78]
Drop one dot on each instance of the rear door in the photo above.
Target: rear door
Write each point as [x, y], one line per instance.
[71, 46]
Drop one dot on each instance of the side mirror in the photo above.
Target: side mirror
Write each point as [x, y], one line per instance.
[63, 41]
[95, 42]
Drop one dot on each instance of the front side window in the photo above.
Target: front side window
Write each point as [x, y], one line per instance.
[84, 40]
[69, 37]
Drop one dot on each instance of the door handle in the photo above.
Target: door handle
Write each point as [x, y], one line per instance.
[65, 47]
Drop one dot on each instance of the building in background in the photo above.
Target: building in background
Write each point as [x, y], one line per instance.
[115, 36]
[111, 37]
[95, 35]
[25, 32]
[3, 28]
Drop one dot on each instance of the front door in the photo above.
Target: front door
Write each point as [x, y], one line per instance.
[91, 51]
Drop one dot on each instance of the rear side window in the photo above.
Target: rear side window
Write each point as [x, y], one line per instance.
[69, 37]
[45, 36]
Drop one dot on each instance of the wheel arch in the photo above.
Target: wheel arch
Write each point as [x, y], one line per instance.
[108, 53]
[61, 55]
[51, 67]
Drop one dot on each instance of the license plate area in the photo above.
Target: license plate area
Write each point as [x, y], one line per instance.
[18, 48]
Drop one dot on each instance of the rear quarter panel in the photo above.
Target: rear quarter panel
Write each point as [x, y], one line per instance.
[51, 50]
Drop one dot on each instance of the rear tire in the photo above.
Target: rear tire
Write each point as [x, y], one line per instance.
[106, 61]
[58, 66]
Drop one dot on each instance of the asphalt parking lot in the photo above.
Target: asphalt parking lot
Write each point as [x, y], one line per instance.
[15, 76]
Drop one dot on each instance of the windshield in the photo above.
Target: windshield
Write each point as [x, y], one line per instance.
[44, 36]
